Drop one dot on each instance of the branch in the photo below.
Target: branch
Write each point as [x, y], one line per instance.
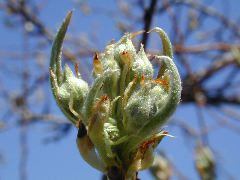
[203, 48]
[147, 19]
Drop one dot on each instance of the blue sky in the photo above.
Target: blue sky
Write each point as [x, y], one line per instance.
[61, 160]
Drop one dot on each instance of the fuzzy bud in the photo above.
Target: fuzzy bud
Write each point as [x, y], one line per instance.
[124, 108]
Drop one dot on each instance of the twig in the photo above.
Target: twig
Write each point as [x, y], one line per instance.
[147, 19]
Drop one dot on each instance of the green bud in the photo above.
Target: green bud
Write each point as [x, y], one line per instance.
[72, 87]
[69, 91]
[143, 105]
[124, 108]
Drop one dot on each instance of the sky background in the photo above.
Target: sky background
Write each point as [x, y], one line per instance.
[61, 160]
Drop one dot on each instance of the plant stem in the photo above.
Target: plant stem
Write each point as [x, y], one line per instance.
[115, 173]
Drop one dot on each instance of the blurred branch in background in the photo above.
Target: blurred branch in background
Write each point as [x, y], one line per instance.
[161, 169]
[206, 42]
[205, 163]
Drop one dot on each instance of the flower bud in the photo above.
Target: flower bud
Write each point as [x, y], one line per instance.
[72, 87]
[143, 105]
[69, 91]
[124, 108]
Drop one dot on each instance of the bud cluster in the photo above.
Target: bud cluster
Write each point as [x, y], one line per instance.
[120, 114]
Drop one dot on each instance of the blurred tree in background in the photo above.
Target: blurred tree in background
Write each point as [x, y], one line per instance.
[206, 38]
